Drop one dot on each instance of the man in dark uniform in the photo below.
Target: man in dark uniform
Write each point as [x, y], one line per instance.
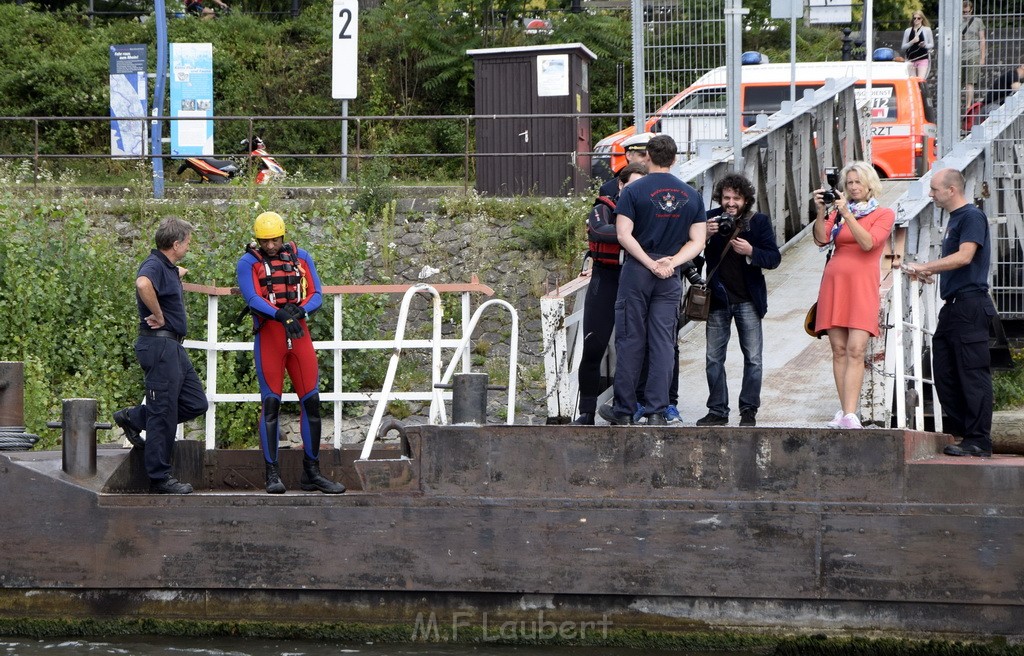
[599, 305]
[635, 151]
[174, 393]
[660, 223]
[961, 363]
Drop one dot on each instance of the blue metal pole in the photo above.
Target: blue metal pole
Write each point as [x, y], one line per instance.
[156, 128]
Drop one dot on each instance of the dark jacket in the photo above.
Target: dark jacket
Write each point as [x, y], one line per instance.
[766, 255]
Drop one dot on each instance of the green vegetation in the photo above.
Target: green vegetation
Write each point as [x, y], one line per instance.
[66, 284]
[1009, 385]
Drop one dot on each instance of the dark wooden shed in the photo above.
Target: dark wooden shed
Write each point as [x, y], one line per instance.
[538, 141]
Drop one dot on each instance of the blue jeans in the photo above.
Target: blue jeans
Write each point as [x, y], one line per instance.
[748, 326]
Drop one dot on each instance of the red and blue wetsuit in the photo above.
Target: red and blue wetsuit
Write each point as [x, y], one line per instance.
[268, 283]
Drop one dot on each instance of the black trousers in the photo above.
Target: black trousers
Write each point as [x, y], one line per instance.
[962, 368]
[174, 394]
[598, 323]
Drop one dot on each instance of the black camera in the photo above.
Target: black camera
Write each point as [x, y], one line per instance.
[691, 273]
[726, 224]
[830, 196]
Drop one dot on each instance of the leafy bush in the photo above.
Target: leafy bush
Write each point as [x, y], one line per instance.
[1009, 385]
[67, 288]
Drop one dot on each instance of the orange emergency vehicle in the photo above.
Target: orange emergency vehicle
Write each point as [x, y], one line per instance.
[902, 127]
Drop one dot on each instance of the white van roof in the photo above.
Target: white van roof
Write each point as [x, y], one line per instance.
[809, 72]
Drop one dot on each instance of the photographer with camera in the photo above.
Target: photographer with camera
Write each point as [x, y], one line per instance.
[741, 245]
[852, 226]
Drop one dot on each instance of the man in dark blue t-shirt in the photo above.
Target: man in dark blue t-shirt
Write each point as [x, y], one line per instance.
[961, 363]
[660, 224]
[174, 393]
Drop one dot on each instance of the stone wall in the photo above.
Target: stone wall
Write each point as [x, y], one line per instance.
[422, 245]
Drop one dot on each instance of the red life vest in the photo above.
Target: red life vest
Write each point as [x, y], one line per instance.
[604, 247]
[282, 279]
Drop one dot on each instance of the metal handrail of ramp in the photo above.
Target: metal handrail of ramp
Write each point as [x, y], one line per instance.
[212, 345]
[784, 153]
[437, 411]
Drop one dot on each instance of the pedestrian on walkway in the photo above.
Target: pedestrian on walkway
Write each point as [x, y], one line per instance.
[741, 245]
[174, 393]
[918, 43]
[973, 52]
[660, 224]
[961, 362]
[854, 229]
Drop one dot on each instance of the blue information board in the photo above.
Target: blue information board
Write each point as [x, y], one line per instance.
[191, 96]
[128, 99]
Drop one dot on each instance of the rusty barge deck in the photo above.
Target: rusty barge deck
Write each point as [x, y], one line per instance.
[777, 529]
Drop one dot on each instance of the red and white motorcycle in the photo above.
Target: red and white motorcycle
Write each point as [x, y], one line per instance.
[222, 171]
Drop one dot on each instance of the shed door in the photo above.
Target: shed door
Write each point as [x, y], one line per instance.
[507, 88]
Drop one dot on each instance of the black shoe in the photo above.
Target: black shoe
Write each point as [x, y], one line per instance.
[274, 484]
[133, 434]
[967, 450]
[748, 417]
[585, 419]
[711, 419]
[312, 479]
[657, 419]
[614, 419]
[169, 486]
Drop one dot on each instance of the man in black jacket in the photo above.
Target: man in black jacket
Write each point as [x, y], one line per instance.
[741, 245]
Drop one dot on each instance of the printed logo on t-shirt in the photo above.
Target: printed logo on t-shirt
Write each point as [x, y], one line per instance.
[669, 200]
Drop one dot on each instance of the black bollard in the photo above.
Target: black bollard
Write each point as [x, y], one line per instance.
[12, 395]
[78, 425]
[469, 399]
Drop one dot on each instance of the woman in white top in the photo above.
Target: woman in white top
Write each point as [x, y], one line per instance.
[918, 43]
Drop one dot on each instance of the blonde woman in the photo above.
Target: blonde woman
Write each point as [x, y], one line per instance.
[918, 43]
[857, 229]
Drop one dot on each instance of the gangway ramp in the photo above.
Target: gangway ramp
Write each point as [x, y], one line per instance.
[797, 384]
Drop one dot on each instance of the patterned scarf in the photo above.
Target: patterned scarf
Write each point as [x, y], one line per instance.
[860, 209]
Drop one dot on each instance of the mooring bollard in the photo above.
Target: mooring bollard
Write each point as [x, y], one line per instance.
[469, 399]
[79, 427]
[12, 394]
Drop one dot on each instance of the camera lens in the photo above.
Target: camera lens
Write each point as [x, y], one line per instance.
[691, 274]
[828, 197]
[726, 224]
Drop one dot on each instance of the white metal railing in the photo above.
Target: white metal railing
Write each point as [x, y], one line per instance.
[437, 410]
[212, 345]
[921, 322]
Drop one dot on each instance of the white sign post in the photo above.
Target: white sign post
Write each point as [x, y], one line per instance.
[344, 83]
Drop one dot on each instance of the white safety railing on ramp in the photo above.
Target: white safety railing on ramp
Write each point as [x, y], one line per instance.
[437, 409]
[212, 345]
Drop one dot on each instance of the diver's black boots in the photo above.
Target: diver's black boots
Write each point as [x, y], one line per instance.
[312, 479]
[274, 484]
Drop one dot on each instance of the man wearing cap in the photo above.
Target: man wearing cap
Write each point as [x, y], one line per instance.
[660, 223]
[174, 393]
[635, 150]
[281, 288]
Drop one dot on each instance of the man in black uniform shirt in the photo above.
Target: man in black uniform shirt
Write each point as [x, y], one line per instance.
[174, 393]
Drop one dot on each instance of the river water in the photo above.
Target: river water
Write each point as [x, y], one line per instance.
[158, 646]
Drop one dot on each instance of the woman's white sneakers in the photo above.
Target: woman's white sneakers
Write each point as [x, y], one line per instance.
[850, 420]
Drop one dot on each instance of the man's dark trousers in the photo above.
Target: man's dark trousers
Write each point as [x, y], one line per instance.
[174, 394]
[961, 363]
[645, 322]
